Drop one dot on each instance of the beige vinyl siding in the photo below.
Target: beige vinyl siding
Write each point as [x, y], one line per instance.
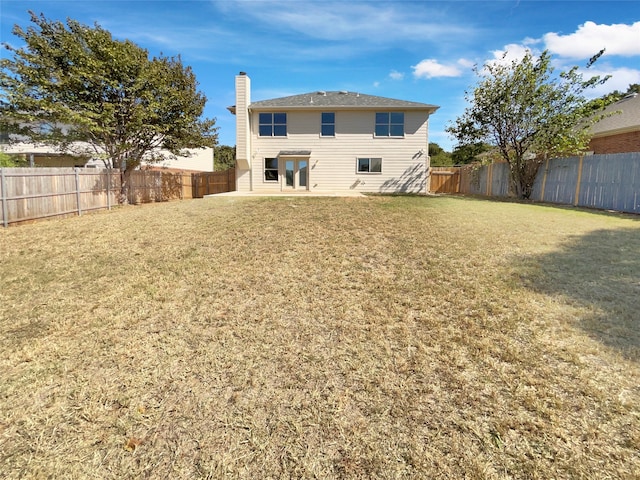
[333, 160]
[243, 180]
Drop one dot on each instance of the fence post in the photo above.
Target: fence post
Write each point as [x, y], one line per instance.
[77, 172]
[108, 175]
[5, 210]
[489, 179]
[544, 179]
[575, 200]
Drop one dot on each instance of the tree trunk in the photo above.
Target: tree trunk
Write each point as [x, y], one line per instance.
[125, 175]
[516, 178]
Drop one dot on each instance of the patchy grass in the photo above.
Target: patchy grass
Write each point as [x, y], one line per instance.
[379, 337]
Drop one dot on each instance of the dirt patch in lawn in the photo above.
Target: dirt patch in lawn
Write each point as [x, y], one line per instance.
[376, 337]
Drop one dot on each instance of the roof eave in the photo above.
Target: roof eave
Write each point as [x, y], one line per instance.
[615, 131]
[260, 108]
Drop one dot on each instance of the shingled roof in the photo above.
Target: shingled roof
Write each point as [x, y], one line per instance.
[625, 117]
[339, 100]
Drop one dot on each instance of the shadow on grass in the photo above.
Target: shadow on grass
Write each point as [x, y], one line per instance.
[599, 272]
[557, 206]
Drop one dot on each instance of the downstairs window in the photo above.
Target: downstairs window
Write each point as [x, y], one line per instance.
[270, 169]
[369, 165]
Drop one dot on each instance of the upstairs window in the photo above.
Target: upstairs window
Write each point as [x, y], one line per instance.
[369, 165]
[272, 124]
[389, 124]
[328, 127]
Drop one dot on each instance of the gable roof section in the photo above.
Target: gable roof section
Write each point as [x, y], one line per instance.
[626, 120]
[339, 100]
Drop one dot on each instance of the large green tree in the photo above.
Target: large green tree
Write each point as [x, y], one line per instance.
[439, 157]
[529, 114]
[77, 88]
[224, 158]
[468, 153]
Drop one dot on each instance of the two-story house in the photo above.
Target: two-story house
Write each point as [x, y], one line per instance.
[330, 141]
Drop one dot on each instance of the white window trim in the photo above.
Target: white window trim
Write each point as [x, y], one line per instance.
[334, 126]
[358, 172]
[286, 125]
[375, 124]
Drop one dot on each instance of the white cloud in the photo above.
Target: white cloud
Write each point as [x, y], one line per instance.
[394, 75]
[620, 79]
[590, 38]
[466, 64]
[510, 53]
[430, 68]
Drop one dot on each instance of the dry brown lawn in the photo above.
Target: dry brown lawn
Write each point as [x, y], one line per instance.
[377, 337]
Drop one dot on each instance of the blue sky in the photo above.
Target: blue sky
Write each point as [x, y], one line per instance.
[421, 51]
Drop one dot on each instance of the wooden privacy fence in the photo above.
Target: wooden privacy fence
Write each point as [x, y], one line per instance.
[147, 186]
[208, 183]
[609, 181]
[31, 193]
[445, 180]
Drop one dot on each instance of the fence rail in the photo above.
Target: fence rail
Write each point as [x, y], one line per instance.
[27, 194]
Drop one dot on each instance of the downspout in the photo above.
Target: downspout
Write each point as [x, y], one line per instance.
[427, 164]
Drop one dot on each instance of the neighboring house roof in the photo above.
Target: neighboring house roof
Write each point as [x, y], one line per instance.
[625, 117]
[339, 100]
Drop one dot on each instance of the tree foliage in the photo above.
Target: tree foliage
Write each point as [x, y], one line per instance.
[468, 153]
[224, 158]
[528, 114]
[9, 160]
[77, 88]
[618, 95]
[439, 157]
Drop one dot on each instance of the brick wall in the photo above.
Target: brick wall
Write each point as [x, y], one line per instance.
[621, 143]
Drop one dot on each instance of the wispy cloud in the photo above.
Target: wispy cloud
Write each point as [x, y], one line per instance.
[374, 23]
[395, 75]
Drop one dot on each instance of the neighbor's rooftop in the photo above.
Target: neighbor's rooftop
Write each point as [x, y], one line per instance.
[625, 117]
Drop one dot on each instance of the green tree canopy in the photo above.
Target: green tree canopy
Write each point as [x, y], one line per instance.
[528, 114]
[224, 158]
[468, 153]
[77, 88]
[7, 160]
[439, 157]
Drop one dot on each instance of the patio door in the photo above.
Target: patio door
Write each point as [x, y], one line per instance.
[296, 174]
